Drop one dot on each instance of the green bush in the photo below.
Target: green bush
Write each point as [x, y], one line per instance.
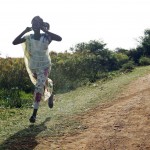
[144, 61]
[128, 67]
[14, 98]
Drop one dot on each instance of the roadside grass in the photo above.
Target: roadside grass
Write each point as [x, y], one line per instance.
[14, 98]
[60, 120]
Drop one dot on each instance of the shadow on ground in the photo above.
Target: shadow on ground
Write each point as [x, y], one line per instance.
[24, 139]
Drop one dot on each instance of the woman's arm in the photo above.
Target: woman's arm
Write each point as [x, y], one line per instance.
[53, 36]
[19, 39]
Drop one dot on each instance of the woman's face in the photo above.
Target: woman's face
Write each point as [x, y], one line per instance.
[36, 26]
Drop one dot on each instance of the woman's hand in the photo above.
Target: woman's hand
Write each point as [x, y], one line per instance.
[28, 29]
[43, 29]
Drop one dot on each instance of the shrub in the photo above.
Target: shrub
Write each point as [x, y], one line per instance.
[128, 67]
[144, 61]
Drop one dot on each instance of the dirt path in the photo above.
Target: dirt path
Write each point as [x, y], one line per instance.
[121, 125]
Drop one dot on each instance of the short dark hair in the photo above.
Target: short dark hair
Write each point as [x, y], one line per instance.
[37, 18]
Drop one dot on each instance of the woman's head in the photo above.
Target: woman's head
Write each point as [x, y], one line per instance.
[37, 23]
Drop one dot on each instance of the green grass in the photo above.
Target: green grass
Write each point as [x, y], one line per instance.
[61, 120]
[15, 99]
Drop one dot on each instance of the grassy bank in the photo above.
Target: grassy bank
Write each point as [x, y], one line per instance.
[61, 120]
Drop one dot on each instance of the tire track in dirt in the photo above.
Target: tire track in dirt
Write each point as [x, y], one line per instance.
[123, 124]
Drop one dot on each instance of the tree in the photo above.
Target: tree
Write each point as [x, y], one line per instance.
[93, 46]
[145, 43]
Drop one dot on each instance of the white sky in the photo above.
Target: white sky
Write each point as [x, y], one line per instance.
[116, 22]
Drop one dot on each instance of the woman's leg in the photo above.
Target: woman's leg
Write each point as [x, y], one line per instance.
[42, 76]
[48, 89]
[50, 100]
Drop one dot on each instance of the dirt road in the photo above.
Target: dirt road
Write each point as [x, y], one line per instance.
[123, 124]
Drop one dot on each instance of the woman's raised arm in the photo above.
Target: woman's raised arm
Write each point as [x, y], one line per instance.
[19, 39]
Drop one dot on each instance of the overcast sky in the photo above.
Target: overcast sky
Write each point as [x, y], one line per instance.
[116, 22]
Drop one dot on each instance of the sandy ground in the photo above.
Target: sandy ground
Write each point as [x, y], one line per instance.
[123, 124]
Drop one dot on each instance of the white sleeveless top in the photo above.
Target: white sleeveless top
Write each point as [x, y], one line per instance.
[38, 54]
